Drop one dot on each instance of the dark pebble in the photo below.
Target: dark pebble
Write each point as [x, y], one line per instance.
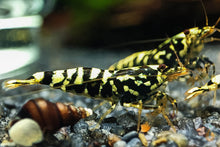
[81, 127]
[188, 126]
[109, 120]
[128, 120]
[108, 126]
[77, 140]
[129, 136]
[118, 130]
[100, 136]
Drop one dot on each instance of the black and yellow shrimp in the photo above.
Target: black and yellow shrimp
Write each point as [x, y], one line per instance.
[186, 46]
[132, 87]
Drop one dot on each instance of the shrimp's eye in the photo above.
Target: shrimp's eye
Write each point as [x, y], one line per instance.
[162, 66]
[186, 32]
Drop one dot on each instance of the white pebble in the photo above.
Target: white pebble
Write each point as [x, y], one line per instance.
[26, 132]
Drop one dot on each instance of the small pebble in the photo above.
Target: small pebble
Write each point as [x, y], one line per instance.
[81, 127]
[26, 132]
[134, 142]
[100, 136]
[118, 130]
[112, 139]
[187, 125]
[197, 122]
[143, 139]
[127, 120]
[130, 135]
[120, 143]
[77, 140]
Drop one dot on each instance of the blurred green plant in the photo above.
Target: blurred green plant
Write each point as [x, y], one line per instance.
[87, 11]
[88, 16]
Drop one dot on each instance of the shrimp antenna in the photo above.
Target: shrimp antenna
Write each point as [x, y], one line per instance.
[217, 23]
[206, 16]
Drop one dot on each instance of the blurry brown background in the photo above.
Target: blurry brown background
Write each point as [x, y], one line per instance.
[98, 23]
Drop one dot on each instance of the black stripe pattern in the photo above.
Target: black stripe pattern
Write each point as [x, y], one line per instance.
[186, 45]
[127, 85]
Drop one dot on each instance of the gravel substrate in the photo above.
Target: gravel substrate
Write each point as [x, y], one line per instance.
[194, 126]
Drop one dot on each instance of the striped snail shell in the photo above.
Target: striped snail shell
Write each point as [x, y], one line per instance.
[52, 116]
